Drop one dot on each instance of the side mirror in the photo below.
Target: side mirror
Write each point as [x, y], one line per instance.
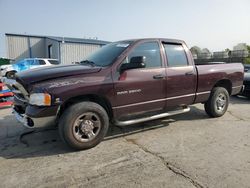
[135, 62]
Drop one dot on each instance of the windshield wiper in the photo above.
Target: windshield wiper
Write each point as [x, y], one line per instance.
[88, 63]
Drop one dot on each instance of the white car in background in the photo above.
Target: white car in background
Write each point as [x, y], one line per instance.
[25, 64]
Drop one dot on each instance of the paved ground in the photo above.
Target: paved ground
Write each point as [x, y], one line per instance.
[188, 150]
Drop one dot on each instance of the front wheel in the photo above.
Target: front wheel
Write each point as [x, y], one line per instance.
[217, 103]
[83, 125]
[11, 74]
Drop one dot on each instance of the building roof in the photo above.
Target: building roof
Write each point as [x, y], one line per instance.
[63, 39]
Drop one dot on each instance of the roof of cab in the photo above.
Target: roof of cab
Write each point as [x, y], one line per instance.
[167, 40]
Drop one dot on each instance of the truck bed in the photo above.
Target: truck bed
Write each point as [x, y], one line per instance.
[208, 75]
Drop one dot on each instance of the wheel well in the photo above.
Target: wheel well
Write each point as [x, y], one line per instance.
[10, 71]
[227, 84]
[93, 98]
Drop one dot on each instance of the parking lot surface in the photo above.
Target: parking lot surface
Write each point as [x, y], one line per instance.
[186, 150]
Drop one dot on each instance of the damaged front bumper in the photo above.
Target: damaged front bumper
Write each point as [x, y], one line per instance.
[34, 116]
[28, 115]
[32, 122]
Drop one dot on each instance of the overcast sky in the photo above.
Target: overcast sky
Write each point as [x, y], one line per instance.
[215, 24]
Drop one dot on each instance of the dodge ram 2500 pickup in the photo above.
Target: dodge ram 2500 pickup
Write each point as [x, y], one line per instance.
[123, 83]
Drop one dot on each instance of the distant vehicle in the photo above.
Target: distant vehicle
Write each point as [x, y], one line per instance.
[246, 83]
[25, 64]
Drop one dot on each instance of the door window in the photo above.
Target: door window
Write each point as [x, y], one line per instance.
[32, 62]
[41, 62]
[176, 56]
[150, 50]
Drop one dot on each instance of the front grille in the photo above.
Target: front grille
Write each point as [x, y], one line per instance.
[19, 109]
[17, 89]
[18, 93]
[19, 96]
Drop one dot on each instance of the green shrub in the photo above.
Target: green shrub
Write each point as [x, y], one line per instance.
[4, 61]
[247, 60]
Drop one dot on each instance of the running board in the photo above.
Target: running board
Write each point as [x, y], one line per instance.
[158, 116]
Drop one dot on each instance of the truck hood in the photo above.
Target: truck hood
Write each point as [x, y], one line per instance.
[52, 72]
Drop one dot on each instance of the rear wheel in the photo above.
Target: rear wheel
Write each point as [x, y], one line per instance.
[83, 125]
[217, 103]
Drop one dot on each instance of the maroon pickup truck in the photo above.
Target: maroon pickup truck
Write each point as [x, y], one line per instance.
[123, 83]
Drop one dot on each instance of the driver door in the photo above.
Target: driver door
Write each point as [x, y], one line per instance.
[140, 90]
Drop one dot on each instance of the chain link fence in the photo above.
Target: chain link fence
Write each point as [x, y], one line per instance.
[223, 56]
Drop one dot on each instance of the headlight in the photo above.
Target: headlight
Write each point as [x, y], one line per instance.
[40, 99]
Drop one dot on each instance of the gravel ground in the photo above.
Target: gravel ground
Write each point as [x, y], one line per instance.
[187, 150]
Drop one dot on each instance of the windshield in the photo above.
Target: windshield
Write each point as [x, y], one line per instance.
[107, 54]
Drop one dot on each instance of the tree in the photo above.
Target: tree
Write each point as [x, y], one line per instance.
[247, 60]
[248, 48]
[206, 54]
[195, 50]
[205, 50]
[240, 46]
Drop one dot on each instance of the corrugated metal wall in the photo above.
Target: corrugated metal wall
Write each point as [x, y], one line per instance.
[37, 47]
[20, 47]
[17, 47]
[72, 52]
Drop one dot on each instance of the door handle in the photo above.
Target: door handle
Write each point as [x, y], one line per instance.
[189, 73]
[158, 76]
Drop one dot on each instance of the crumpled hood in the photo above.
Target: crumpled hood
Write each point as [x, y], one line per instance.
[51, 72]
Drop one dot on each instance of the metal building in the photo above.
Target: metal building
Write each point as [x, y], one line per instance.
[66, 50]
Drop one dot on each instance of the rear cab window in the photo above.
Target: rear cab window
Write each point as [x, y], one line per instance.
[175, 54]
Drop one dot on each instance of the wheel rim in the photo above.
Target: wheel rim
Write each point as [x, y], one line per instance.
[221, 102]
[11, 75]
[86, 127]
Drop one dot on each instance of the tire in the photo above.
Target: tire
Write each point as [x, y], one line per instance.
[11, 74]
[83, 125]
[217, 104]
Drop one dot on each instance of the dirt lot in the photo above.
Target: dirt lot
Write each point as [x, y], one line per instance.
[188, 150]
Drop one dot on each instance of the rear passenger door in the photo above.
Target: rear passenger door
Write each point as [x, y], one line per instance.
[181, 76]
